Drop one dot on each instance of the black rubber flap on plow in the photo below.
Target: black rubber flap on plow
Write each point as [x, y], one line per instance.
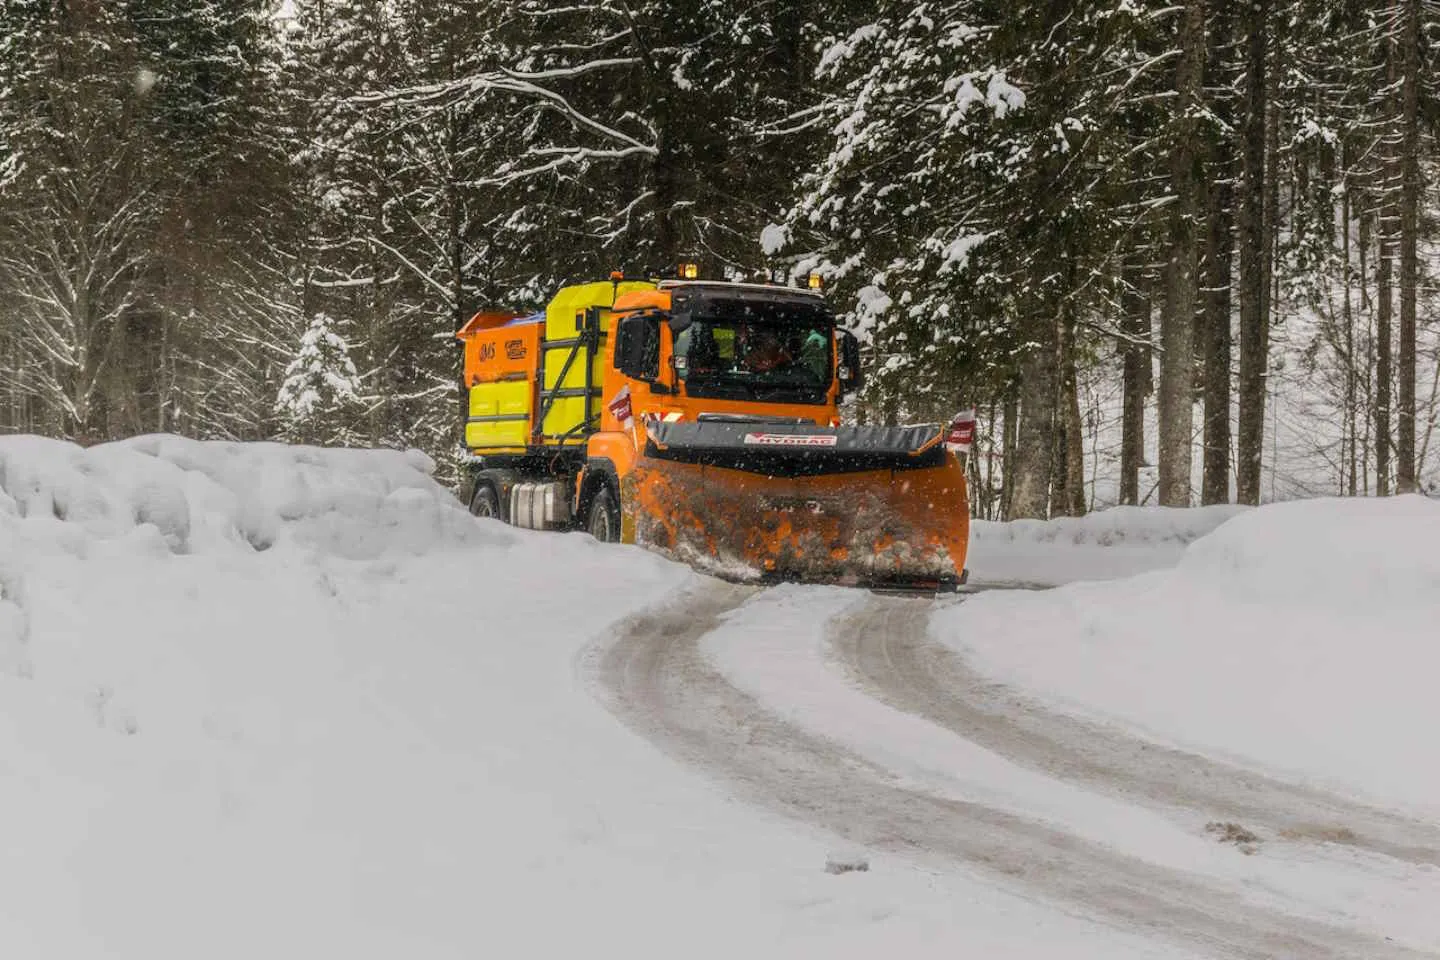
[792, 450]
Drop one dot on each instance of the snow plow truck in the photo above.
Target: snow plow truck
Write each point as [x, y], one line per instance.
[701, 420]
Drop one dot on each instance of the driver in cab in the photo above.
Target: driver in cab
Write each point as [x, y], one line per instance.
[763, 351]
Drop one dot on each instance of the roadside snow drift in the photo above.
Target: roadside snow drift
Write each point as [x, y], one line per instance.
[1106, 545]
[1301, 637]
[284, 702]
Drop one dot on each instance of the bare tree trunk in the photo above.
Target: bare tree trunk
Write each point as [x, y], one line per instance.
[1409, 229]
[1010, 441]
[163, 385]
[1384, 288]
[1177, 321]
[1135, 324]
[1383, 305]
[16, 399]
[1365, 228]
[1069, 464]
[1215, 340]
[1270, 235]
[986, 479]
[1254, 318]
[1035, 436]
[378, 336]
[1351, 374]
[1215, 487]
[1075, 447]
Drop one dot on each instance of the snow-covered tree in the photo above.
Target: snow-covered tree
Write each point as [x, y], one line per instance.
[976, 201]
[321, 388]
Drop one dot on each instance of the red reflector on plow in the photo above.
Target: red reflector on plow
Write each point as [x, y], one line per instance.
[960, 435]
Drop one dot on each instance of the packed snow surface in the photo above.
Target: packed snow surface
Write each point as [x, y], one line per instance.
[284, 702]
[1299, 637]
[783, 648]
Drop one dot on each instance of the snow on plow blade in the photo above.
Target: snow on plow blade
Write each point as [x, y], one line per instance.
[865, 506]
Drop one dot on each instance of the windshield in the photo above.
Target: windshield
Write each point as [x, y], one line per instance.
[776, 354]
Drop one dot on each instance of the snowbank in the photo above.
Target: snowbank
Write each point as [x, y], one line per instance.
[269, 701]
[1300, 637]
[160, 495]
[1119, 542]
[205, 496]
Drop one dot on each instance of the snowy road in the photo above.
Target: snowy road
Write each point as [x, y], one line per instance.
[657, 676]
[887, 647]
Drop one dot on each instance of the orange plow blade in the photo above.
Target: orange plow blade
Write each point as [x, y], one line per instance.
[882, 507]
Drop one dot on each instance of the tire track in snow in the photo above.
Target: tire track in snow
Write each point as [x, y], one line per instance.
[655, 679]
[886, 646]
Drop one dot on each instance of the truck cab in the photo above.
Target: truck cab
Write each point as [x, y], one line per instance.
[711, 349]
[690, 352]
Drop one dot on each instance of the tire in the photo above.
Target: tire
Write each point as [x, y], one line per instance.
[603, 520]
[486, 502]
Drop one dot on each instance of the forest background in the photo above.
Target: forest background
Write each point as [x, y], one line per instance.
[1172, 252]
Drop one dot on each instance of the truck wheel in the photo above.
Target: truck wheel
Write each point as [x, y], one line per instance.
[604, 520]
[486, 502]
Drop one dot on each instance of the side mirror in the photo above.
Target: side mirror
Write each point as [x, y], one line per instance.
[850, 374]
[637, 342]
